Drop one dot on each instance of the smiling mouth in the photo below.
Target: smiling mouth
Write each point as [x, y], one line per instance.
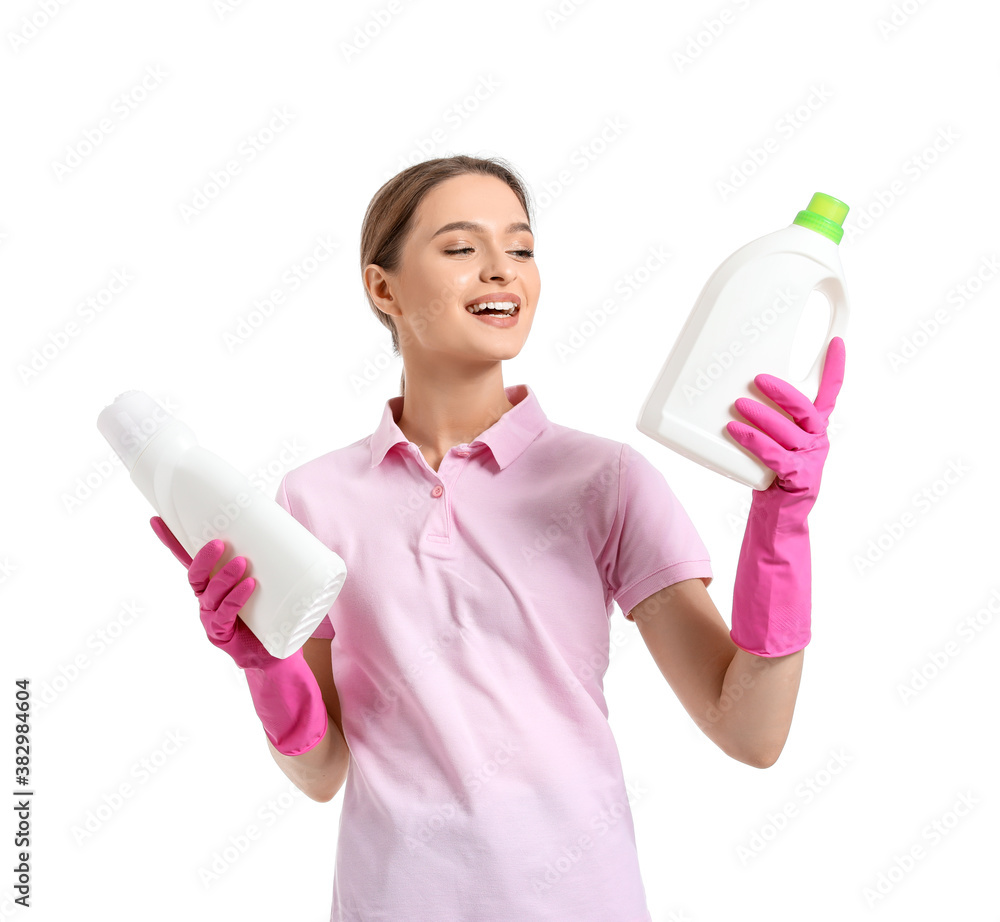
[494, 308]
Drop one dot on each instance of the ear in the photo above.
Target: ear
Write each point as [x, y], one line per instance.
[380, 290]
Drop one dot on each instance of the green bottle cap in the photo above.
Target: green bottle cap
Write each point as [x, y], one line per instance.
[825, 215]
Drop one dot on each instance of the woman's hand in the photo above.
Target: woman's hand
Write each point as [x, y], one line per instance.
[772, 594]
[285, 693]
[795, 451]
[220, 598]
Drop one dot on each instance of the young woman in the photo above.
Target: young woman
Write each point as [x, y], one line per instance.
[456, 685]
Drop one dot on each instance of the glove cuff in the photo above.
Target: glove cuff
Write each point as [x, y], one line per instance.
[772, 593]
[289, 703]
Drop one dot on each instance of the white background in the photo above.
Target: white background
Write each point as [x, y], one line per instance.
[899, 121]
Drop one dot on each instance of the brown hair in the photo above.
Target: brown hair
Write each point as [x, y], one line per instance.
[388, 219]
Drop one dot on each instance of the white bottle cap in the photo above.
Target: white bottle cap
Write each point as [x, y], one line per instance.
[130, 423]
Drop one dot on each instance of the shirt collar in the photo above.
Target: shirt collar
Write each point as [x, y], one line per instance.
[506, 438]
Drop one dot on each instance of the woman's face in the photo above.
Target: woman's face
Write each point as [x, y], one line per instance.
[443, 270]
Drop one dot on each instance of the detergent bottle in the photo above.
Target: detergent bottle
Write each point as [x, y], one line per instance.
[744, 323]
[201, 497]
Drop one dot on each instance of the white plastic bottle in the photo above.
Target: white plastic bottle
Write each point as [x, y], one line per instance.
[744, 324]
[201, 497]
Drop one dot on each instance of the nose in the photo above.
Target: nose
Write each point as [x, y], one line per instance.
[499, 271]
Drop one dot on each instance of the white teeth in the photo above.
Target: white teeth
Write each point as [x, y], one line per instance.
[507, 306]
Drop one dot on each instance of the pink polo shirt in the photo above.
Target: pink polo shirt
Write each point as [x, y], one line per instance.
[469, 645]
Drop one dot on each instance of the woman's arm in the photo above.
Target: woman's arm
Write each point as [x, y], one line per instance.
[321, 771]
[742, 702]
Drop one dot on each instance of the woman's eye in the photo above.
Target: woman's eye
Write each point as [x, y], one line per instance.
[527, 253]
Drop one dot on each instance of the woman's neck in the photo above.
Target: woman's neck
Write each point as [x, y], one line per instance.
[438, 415]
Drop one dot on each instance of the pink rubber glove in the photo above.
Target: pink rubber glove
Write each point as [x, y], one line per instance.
[772, 594]
[285, 692]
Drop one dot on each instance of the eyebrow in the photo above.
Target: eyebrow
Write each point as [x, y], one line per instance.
[479, 228]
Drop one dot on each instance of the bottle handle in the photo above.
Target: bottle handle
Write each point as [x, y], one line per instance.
[833, 289]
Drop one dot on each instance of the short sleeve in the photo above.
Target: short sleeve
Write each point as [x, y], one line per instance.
[653, 543]
[324, 629]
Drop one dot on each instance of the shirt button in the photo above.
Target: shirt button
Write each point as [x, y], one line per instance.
[437, 491]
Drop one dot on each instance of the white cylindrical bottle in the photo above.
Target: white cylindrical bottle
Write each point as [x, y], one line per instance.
[743, 324]
[201, 497]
